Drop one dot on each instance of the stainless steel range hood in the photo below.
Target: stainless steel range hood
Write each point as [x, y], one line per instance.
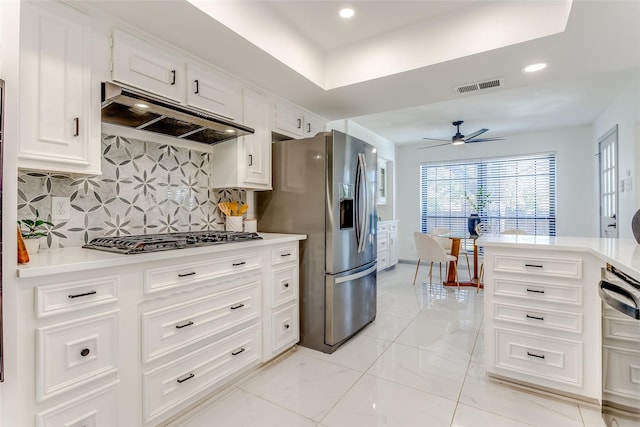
[126, 107]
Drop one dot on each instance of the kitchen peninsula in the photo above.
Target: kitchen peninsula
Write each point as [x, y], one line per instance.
[543, 312]
[165, 328]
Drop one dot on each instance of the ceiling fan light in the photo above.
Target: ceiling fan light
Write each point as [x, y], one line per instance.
[458, 141]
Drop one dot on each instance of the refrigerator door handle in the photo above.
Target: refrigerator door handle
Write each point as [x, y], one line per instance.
[362, 202]
[356, 275]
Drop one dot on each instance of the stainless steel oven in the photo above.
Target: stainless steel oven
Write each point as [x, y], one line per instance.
[620, 294]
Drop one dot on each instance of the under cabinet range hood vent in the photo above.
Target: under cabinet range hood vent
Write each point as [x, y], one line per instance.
[125, 107]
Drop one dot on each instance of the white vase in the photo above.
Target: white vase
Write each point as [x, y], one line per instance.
[33, 245]
[234, 223]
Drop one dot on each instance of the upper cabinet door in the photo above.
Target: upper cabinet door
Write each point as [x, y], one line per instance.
[57, 129]
[313, 125]
[146, 66]
[213, 92]
[289, 120]
[256, 148]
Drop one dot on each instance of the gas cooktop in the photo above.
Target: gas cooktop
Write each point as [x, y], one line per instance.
[162, 242]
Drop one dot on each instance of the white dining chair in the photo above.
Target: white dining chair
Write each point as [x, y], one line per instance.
[429, 250]
[481, 228]
[439, 234]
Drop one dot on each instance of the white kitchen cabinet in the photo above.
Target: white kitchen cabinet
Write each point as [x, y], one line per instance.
[281, 319]
[213, 92]
[393, 243]
[246, 161]
[291, 120]
[542, 315]
[58, 131]
[144, 65]
[387, 244]
[166, 332]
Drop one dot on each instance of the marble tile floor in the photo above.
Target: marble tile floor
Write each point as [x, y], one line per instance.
[419, 364]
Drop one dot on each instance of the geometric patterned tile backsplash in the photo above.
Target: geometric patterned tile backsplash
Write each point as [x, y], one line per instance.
[145, 187]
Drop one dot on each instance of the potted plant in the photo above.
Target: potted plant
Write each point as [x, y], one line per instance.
[478, 202]
[32, 231]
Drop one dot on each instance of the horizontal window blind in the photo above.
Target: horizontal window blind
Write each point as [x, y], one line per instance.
[521, 192]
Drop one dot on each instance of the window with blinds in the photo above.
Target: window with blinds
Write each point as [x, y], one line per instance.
[521, 192]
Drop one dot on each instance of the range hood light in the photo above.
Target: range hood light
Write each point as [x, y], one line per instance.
[141, 105]
[230, 131]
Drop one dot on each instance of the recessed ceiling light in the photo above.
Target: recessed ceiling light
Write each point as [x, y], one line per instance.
[346, 12]
[534, 67]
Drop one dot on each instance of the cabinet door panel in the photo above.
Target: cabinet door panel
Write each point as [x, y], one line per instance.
[256, 148]
[146, 66]
[212, 92]
[55, 85]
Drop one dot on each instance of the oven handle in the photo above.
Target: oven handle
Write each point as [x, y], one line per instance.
[624, 289]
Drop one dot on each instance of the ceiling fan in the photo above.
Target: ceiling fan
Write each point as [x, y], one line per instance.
[460, 139]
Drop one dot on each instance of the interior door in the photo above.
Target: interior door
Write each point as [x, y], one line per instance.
[608, 155]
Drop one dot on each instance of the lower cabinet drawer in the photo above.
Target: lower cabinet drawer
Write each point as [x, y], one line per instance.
[175, 277]
[284, 285]
[96, 409]
[538, 291]
[554, 267]
[285, 331]
[547, 319]
[169, 329]
[539, 356]
[71, 354]
[178, 384]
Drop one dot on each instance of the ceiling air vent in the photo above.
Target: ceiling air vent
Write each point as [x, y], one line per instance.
[473, 87]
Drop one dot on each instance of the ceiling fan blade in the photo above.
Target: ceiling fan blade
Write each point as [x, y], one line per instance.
[434, 146]
[437, 139]
[498, 138]
[476, 133]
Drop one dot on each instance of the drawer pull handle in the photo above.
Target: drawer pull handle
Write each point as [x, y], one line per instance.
[184, 325]
[539, 356]
[237, 352]
[286, 326]
[236, 264]
[286, 285]
[197, 82]
[188, 377]
[193, 273]
[535, 317]
[235, 307]
[287, 254]
[173, 77]
[299, 123]
[535, 291]
[85, 352]
[86, 294]
[533, 265]
[76, 121]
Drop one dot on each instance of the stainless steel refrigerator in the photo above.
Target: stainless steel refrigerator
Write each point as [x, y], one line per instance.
[324, 187]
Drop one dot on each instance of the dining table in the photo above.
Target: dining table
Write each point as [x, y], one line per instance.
[456, 239]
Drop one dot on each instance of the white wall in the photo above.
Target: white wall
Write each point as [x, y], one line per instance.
[625, 112]
[576, 210]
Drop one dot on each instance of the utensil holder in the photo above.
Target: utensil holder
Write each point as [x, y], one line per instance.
[233, 223]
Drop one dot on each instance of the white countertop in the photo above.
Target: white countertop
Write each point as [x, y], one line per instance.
[621, 253]
[67, 260]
